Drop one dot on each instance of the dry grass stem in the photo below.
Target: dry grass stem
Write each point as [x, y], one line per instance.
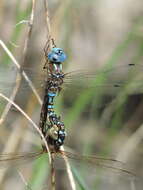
[12, 145]
[24, 181]
[13, 44]
[31, 121]
[23, 73]
[30, 24]
[48, 25]
[12, 139]
[12, 97]
[53, 173]
[69, 172]
[18, 77]
[22, 22]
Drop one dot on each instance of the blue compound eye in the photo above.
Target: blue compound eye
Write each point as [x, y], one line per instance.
[57, 55]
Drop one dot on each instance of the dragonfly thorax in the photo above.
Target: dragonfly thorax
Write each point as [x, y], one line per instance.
[52, 127]
[57, 75]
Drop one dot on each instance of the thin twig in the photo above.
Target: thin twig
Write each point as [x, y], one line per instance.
[12, 97]
[30, 120]
[53, 174]
[17, 83]
[30, 25]
[18, 77]
[48, 25]
[69, 172]
[24, 181]
[21, 22]
[47, 17]
[12, 144]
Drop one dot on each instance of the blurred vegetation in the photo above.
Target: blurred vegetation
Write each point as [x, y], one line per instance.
[101, 38]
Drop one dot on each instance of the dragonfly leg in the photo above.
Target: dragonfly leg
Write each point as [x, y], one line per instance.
[53, 42]
[47, 46]
[46, 64]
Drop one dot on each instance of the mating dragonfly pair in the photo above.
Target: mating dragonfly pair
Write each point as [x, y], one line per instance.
[53, 86]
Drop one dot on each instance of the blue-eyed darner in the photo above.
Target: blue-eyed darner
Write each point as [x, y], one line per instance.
[50, 124]
[92, 160]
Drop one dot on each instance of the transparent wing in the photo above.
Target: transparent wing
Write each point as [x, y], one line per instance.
[88, 170]
[15, 159]
[95, 161]
[109, 77]
[9, 79]
[113, 76]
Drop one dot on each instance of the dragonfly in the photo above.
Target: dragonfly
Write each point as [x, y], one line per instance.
[55, 130]
[56, 78]
[77, 78]
[86, 79]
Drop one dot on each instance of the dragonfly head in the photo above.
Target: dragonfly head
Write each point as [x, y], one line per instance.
[56, 55]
